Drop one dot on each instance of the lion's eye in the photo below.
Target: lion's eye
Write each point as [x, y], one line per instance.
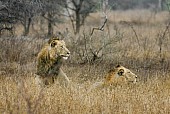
[62, 46]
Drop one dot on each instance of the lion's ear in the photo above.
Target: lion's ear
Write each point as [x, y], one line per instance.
[120, 72]
[60, 35]
[52, 39]
[53, 44]
[117, 66]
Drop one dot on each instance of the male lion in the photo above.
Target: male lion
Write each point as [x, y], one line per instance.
[50, 60]
[119, 75]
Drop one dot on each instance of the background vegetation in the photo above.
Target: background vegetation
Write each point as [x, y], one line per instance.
[135, 38]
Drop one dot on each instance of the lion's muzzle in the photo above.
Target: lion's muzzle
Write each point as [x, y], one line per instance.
[66, 56]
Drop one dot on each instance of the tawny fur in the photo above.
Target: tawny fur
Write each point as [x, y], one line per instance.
[49, 61]
[120, 75]
[116, 76]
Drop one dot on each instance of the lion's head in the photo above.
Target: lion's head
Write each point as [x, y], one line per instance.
[58, 49]
[50, 57]
[120, 74]
[129, 75]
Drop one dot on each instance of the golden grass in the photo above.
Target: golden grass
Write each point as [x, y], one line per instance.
[151, 95]
[20, 95]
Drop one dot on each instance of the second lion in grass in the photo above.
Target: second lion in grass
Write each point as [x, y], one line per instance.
[119, 75]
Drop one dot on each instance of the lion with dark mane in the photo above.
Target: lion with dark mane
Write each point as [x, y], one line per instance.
[49, 61]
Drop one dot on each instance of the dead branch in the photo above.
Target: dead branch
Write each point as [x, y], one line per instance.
[132, 27]
[100, 28]
[71, 19]
[166, 29]
[85, 46]
[95, 53]
[90, 54]
[135, 34]
[162, 38]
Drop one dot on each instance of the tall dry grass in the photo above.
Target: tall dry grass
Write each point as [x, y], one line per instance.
[21, 95]
[151, 95]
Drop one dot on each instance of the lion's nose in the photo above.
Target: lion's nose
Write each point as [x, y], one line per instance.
[68, 53]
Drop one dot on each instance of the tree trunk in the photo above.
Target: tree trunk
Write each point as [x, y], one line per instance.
[104, 5]
[77, 22]
[160, 5]
[27, 26]
[50, 27]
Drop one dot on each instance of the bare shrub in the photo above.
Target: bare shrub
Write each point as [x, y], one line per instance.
[21, 50]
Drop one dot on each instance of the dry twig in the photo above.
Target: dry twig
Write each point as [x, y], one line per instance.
[100, 28]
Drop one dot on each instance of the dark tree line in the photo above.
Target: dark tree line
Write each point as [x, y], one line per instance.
[23, 12]
[18, 11]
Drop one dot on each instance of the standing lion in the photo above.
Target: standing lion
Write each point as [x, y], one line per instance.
[50, 60]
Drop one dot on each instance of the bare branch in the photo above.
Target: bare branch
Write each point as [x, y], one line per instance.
[135, 34]
[100, 28]
[71, 19]
[132, 27]
[68, 7]
[166, 29]
[95, 53]
[162, 38]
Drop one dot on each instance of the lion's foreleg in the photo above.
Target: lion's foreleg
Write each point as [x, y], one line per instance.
[95, 86]
[39, 80]
[62, 74]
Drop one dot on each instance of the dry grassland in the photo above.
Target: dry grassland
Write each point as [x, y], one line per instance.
[136, 39]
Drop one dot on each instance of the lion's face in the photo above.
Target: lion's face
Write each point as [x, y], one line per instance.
[124, 72]
[58, 48]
